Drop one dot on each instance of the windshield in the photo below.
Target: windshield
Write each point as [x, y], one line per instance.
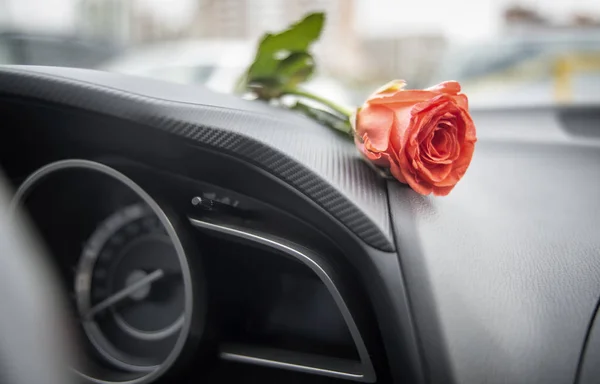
[557, 67]
[502, 52]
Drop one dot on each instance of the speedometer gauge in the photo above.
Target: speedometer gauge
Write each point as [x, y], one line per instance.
[129, 290]
[138, 284]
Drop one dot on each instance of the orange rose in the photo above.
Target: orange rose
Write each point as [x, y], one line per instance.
[425, 137]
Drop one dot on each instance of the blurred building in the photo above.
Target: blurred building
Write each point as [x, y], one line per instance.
[518, 20]
[220, 19]
[122, 22]
[37, 16]
[4, 14]
[518, 15]
[412, 58]
[243, 19]
[109, 19]
[585, 20]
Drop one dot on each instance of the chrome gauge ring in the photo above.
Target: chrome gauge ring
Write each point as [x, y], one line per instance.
[134, 285]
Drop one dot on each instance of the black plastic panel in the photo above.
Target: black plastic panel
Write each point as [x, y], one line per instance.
[48, 133]
[504, 274]
[589, 370]
[302, 153]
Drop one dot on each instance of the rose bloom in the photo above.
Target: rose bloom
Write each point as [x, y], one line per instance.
[425, 137]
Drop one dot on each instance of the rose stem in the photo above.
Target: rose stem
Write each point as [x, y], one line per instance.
[333, 106]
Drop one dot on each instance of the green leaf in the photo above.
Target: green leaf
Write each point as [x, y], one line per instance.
[265, 89]
[284, 58]
[295, 69]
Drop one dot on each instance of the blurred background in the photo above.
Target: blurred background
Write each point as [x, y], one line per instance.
[503, 52]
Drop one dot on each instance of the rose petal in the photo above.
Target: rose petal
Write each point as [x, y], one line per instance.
[373, 156]
[432, 152]
[455, 146]
[401, 122]
[442, 191]
[440, 140]
[438, 105]
[417, 148]
[425, 115]
[389, 160]
[397, 172]
[437, 145]
[459, 168]
[395, 167]
[470, 132]
[460, 165]
[376, 158]
[462, 101]
[375, 122]
[420, 186]
[435, 173]
[448, 87]
[427, 130]
[425, 121]
[452, 142]
[380, 159]
[428, 142]
[391, 87]
[409, 96]
[441, 111]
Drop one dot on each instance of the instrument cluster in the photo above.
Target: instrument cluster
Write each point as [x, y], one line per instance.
[167, 277]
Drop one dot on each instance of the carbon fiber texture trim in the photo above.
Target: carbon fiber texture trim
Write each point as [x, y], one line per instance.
[315, 161]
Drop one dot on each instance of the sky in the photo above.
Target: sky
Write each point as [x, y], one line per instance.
[458, 19]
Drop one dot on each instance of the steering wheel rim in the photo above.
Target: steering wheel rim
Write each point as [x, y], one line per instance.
[35, 342]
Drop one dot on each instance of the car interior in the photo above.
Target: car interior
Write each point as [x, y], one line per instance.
[280, 256]
[156, 231]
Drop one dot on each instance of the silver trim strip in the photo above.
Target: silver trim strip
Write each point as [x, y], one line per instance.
[309, 259]
[326, 366]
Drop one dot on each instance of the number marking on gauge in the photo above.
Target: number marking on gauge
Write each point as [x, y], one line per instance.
[120, 284]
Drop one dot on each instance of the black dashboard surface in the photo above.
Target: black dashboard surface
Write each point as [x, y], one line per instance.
[502, 276]
[265, 153]
[314, 161]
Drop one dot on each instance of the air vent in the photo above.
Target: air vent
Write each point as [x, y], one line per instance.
[301, 321]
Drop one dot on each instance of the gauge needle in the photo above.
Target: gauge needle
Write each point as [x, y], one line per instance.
[123, 293]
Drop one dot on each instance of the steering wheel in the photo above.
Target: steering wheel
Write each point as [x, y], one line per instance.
[34, 340]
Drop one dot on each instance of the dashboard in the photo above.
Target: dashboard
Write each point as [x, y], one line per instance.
[201, 237]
